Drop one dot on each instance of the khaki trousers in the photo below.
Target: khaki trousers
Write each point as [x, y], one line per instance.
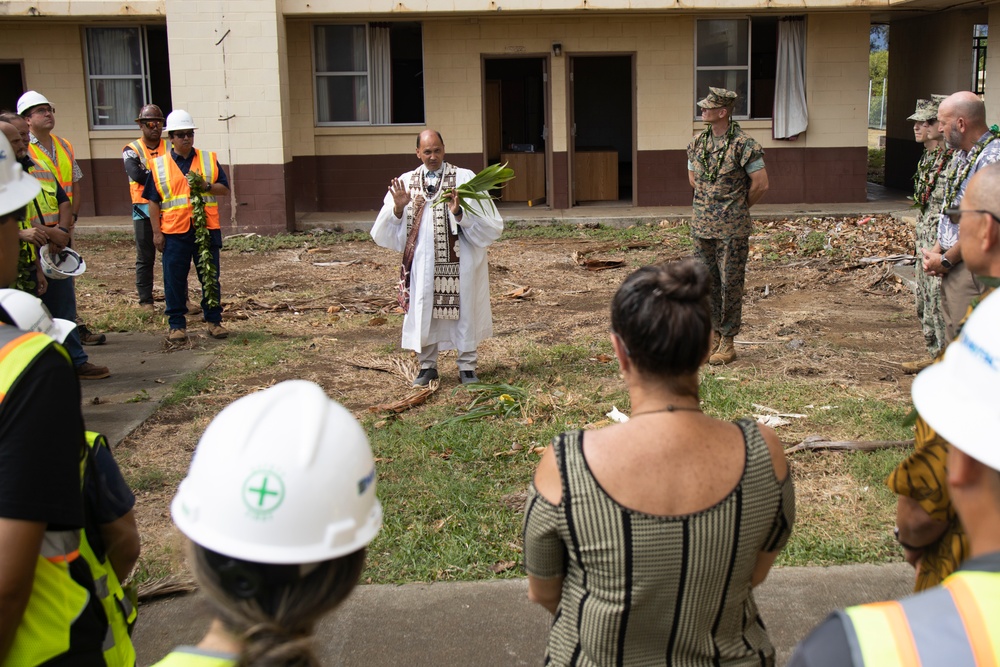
[958, 288]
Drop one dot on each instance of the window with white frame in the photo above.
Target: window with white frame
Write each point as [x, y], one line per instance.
[369, 74]
[739, 55]
[127, 67]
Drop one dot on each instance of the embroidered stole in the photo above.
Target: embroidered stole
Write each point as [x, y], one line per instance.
[446, 304]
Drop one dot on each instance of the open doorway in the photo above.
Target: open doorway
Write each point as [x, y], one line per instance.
[602, 92]
[514, 109]
[11, 83]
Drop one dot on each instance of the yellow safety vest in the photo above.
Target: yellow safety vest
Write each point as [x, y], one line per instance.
[190, 657]
[139, 146]
[56, 599]
[956, 623]
[62, 167]
[175, 193]
[45, 207]
[121, 613]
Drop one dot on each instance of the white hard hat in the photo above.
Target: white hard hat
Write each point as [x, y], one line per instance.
[179, 119]
[283, 476]
[66, 263]
[30, 99]
[958, 396]
[17, 188]
[28, 313]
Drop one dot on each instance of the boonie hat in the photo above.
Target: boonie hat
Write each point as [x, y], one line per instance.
[958, 396]
[926, 110]
[718, 98]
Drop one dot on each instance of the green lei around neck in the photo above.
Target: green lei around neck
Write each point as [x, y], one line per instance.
[928, 172]
[710, 172]
[956, 178]
[202, 238]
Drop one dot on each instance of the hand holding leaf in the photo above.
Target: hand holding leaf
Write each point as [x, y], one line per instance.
[475, 193]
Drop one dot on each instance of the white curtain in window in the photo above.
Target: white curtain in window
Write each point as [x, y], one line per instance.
[115, 52]
[380, 70]
[791, 117]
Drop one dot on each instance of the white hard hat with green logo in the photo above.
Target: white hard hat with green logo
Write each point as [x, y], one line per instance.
[282, 476]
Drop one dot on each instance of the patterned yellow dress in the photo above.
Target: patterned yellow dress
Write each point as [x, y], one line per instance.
[923, 477]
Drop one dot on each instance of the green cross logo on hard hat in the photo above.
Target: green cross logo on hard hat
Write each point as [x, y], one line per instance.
[263, 492]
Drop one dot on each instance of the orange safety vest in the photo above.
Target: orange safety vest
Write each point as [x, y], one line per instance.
[956, 623]
[139, 146]
[172, 186]
[63, 166]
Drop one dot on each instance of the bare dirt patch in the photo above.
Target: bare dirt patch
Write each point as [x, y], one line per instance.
[811, 313]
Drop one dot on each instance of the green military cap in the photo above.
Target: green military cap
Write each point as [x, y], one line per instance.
[938, 99]
[926, 110]
[718, 98]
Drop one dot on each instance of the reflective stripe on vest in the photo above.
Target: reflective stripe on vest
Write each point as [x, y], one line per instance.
[62, 167]
[47, 201]
[56, 599]
[943, 625]
[172, 186]
[118, 648]
[146, 155]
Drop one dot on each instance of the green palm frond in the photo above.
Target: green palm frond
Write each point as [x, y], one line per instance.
[475, 193]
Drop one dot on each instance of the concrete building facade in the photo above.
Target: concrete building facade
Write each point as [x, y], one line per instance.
[313, 105]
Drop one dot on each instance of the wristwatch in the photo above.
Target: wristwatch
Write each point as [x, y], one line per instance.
[946, 263]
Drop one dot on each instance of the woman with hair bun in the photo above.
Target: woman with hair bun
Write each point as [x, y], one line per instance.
[279, 505]
[645, 539]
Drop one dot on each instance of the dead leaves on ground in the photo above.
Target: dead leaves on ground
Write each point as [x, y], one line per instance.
[520, 293]
[580, 256]
[848, 239]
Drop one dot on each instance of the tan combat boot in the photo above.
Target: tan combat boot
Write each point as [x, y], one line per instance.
[725, 353]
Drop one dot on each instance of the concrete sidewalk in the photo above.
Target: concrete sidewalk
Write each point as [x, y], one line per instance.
[493, 624]
[143, 372]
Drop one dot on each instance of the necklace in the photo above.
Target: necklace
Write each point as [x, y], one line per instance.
[710, 172]
[928, 171]
[670, 408]
[956, 177]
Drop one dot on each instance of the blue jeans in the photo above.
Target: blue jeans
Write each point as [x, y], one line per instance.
[178, 252]
[60, 299]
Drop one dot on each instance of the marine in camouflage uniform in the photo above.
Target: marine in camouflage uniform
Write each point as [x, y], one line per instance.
[726, 170]
[928, 196]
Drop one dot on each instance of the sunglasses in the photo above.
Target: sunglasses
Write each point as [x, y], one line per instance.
[151, 124]
[955, 214]
[188, 134]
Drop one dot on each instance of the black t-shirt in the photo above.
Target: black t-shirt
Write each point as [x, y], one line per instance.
[41, 445]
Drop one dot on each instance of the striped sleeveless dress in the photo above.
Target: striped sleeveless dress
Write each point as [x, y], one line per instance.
[640, 589]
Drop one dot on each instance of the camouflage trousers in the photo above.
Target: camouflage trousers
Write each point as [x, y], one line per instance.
[929, 309]
[726, 260]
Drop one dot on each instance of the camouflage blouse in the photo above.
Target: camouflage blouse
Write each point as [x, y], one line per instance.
[721, 209]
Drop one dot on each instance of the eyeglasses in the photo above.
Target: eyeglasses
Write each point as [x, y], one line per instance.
[182, 135]
[151, 124]
[955, 214]
[44, 110]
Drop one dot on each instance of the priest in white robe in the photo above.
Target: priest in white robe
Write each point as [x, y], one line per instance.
[444, 281]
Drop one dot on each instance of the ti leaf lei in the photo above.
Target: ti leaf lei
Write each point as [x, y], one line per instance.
[708, 171]
[26, 269]
[928, 172]
[202, 239]
[956, 178]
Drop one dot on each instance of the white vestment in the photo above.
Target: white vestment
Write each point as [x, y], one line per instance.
[475, 234]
